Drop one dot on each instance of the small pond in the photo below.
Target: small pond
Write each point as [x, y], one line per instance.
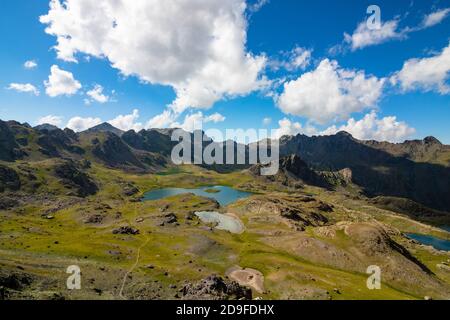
[223, 221]
[223, 195]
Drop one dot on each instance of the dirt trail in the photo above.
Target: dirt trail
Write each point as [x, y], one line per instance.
[138, 256]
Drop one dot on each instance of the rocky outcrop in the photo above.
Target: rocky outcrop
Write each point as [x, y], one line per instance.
[112, 151]
[293, 172]
[9, 179]
[215, 288]
[297, 211]
[126, 230]
[9, 148]
[55, 143]
[15, 281]
[7, 202]
[73, 178]
[153, 141]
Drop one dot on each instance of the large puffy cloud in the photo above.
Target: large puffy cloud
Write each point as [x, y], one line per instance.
[195, 46]
[364, 36]
[127, 122]
[426, 74]
[61, 82]
[288, 127]
[78, 124]
[24, 87]
[371, 127]
[50, 119]
[330, 93]
[163, 120]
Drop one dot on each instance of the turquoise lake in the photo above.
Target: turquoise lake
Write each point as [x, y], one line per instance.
[223, 195]
[437, 243]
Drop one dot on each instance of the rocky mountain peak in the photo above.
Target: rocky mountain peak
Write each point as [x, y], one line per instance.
[431, 140]
[46, 126]
[106, 127]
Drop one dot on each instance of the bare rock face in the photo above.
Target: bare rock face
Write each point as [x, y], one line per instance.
[9, 179]
[130, 190]
[12, 283]
[114, 152]
[296, 210]
[7, 202]
[215, 288]
[293, 173]
[9, 149]
[169, 219]
[74, 178]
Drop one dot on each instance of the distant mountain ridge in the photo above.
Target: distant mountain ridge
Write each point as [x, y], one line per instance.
[376, 170]
[418, 170]
[105, 127]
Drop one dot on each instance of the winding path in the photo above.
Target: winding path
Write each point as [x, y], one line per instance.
[132, 268]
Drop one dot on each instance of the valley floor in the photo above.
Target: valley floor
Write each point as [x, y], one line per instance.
[297, 244]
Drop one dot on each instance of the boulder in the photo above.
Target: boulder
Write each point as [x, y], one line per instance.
[126, 230]
[215, 288]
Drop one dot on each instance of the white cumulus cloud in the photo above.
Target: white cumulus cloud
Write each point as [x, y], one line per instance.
[364, 36]
[127, 122]
[30, 64]
[97, 94]
[24, 87]
[215, 117]
[427, 74]
[61, 82]
[371, 127]
[330, 93]
[197, 47]
[288, 127]
[50, 119]
[79, 124]
[163, 120]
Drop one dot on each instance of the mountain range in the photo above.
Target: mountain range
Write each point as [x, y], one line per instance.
[417, 170]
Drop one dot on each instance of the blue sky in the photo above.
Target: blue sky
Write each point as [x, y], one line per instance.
[279, 91]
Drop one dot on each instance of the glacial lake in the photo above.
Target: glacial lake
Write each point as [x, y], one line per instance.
[223, 195]
[223, 221]
[437, 243]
